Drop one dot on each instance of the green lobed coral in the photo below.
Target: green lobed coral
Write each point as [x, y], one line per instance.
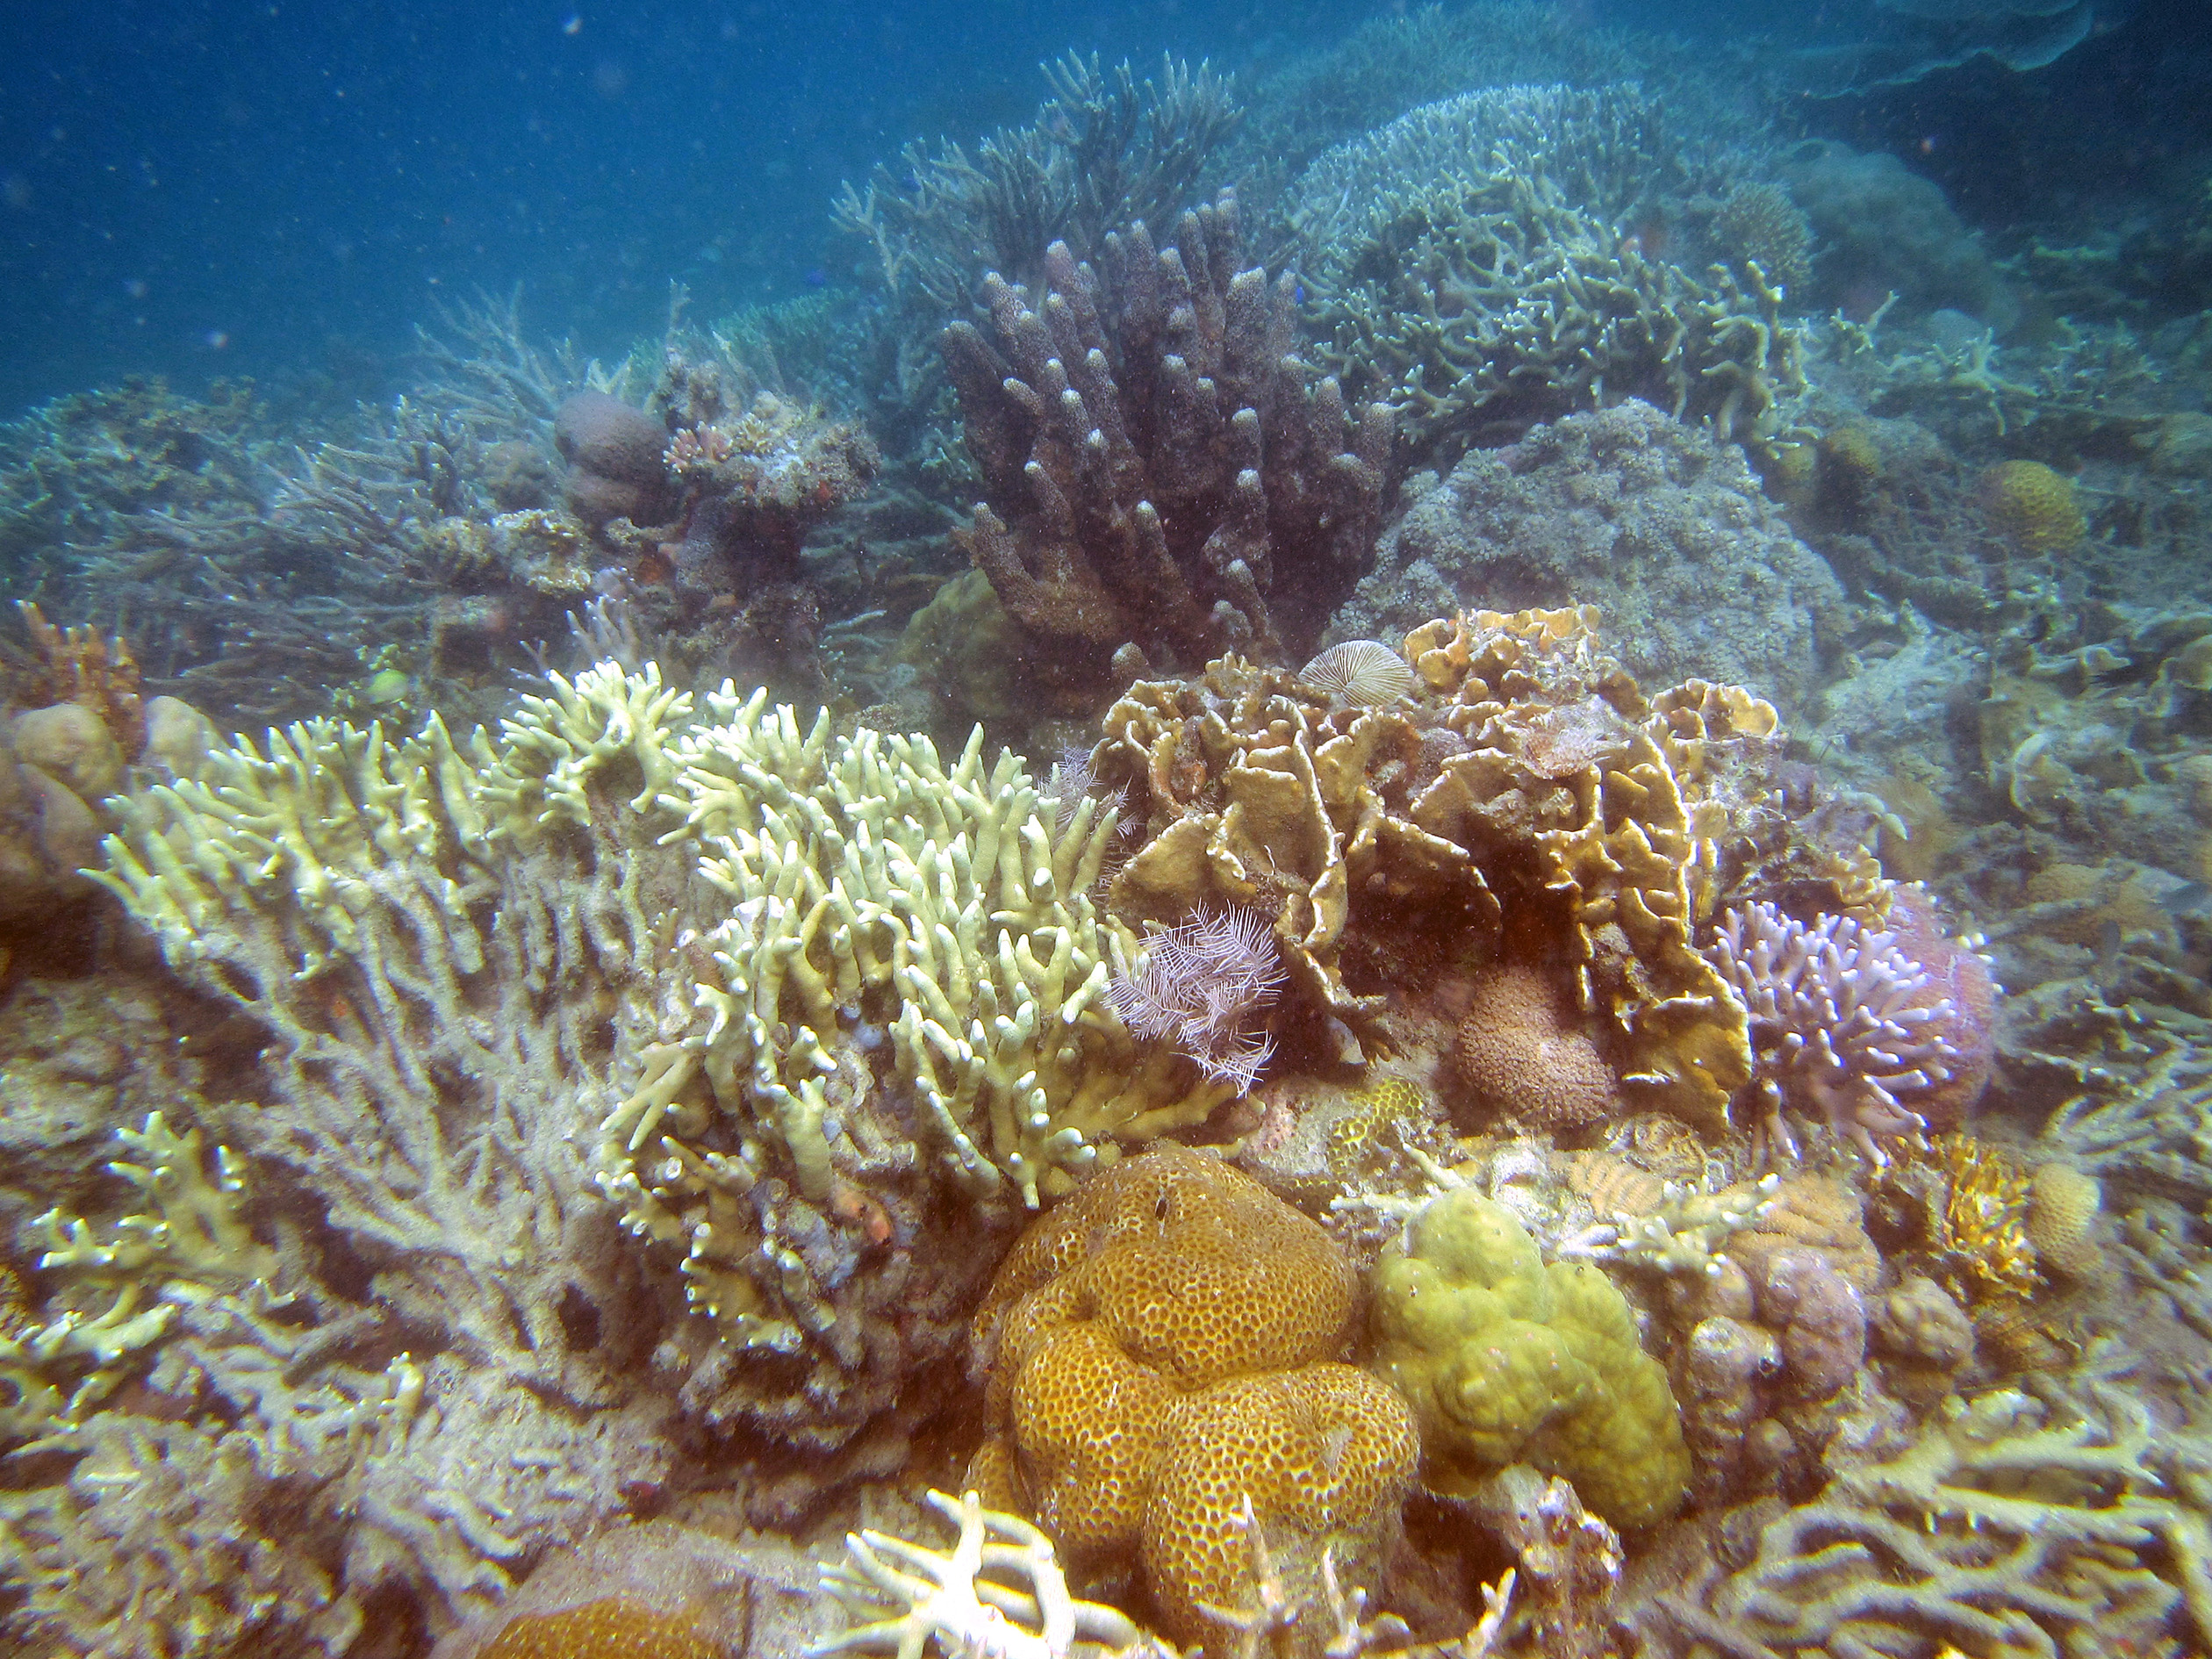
[1506, 1360]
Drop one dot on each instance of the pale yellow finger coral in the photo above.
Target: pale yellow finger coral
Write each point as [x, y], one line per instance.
[1505, 1360]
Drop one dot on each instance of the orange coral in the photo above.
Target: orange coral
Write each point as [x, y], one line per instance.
[1522, 1049]
[617, 1627]
[81, 667]
[1162, 1344]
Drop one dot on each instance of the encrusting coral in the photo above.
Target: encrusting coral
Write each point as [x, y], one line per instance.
[1163, 1344]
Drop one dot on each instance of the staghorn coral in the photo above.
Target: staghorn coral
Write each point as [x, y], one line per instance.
[1161, 1346]
[1506, 1360]
[1163, 478]
[1476, 261]
[515, 992]
[1850, 1027]
[2009, 1525]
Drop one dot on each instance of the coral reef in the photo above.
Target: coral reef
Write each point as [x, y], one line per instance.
[1163, 478]
[1695, 573]
[1163, 1344]
[1477, 262]
[1506, 1360]
[1530, 785]
[511, 993]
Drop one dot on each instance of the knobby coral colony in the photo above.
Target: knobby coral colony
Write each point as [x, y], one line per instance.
[1165, 479]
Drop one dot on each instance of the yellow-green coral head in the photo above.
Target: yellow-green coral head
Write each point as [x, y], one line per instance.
[1505, 1360]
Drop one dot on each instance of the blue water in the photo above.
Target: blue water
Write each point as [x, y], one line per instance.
[223, 188]
[285, 190]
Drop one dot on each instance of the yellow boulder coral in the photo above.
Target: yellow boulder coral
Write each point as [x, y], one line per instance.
[2032, 507]
[1162, 1345]
[1505, 1360]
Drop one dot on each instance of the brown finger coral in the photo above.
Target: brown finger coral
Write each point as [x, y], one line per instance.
[1162, 1345]
[1526, 1056]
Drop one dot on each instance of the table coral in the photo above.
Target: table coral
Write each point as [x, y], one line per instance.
[1506, 1360]
[1163, 1343]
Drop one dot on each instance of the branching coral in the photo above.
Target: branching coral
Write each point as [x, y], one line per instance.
[1163, 477]
[901, 1596]
[1477, 260]
[1850, 1026]
[796, 1006]
[2011, 1525]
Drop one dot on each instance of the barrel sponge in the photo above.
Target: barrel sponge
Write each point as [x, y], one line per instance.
[1325, 1452]
[1505, 1360]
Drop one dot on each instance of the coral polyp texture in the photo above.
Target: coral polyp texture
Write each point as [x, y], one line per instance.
[1165, 479]
[1164, 1346]
[1852, 1029]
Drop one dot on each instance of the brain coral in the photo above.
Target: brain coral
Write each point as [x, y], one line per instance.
[1162, 1344]
[1506, 1360]
[2032, 507]
[1523, 1051]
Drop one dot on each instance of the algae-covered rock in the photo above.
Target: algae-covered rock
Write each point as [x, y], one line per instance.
[1505, 1360]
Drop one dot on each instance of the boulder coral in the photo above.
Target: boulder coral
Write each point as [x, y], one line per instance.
[1507, 1360]
[1160, 1346]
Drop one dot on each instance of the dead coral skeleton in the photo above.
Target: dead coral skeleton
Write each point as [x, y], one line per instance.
[959, 1597]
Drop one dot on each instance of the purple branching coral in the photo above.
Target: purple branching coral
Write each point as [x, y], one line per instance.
[1843, 1019]
[1203, 987]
